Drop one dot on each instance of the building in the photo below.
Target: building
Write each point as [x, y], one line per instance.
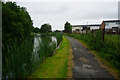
[78, 28]
[111, 27]
[85, 28]
[94, 27]
[119, 10]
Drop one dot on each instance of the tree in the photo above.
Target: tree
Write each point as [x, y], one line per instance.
[57, 31]
[16, 24]
[68, 27]
[45, 28]
[16, 28]
[36, 30]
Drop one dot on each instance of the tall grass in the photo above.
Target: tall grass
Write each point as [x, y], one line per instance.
[109, 49]
[45, 49]
[19, 60]
[58, 35]
[56, 66]
[16, 60]
[113, 39]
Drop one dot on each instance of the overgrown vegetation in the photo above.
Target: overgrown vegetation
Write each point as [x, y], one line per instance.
[16, 23]
[22, 53]
[108, 50]
[21, 60]
[17, 60]
[55, 66]
[58, 35]
[16, 29]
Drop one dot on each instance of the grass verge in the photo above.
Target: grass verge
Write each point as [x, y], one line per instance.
[57, 65]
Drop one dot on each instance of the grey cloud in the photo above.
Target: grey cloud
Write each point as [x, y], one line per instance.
[76, 13]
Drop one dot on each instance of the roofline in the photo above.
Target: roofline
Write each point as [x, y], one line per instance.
[112, 21]
[86, 25]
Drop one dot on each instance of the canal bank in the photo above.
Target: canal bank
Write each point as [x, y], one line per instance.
[29, 54]
[57, 66]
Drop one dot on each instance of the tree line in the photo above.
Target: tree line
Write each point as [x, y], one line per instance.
[47, 28]
[16, 23]
[44, 29]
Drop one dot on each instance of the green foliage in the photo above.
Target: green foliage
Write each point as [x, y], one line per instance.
[16, 29]
[20, 61]
[16, 60]
[68, 27]
[45, 28]
[55, 66]
[58, 35]
[16, 23]
[36, 30]
[109, 49]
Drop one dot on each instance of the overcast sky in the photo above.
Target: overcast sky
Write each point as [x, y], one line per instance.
[77, 12]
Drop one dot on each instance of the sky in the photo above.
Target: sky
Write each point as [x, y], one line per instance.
[76, 12]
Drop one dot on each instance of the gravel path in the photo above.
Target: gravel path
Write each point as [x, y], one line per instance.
[85, 64]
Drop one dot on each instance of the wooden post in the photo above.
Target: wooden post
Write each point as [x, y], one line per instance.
[103, 30]
[103, 34]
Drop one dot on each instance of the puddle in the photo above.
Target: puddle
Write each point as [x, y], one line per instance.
[74, 48]
[86, 70]
[87, 66]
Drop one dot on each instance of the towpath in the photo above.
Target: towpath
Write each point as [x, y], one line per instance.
[86, 66]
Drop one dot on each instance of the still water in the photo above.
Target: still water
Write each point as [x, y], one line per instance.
[44, 46]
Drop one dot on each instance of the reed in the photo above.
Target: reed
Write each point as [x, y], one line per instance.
[19, 60]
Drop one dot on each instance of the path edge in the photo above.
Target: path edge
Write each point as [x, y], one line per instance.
[70, 61]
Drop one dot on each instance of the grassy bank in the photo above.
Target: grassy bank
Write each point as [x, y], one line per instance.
[107, 52]
[55, 66]
[20, 60]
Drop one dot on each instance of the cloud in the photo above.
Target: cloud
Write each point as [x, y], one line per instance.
[57, 13]
[64, 0]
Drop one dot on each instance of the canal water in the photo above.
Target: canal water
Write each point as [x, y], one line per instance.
[44, 46]
[26, 57]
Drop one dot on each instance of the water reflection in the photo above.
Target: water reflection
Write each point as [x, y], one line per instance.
[36, 48]
[24, 59]
[53, 40]
[44, 45]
